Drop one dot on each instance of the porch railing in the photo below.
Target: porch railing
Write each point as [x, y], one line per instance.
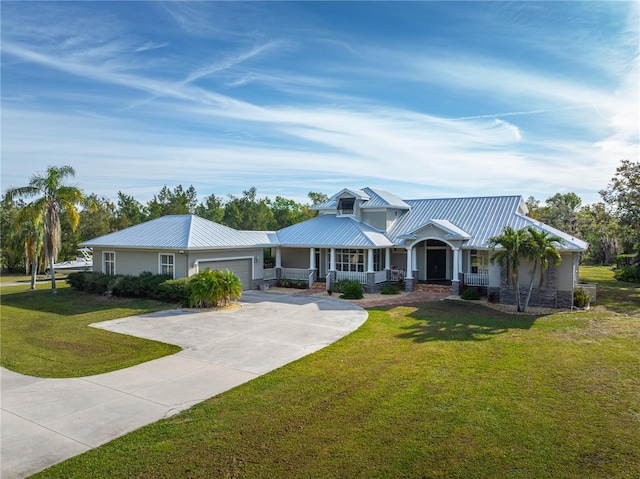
[476, 279]
[353, 275]
[269, 273]
[380, 277]
[397, 275]
[295, 273]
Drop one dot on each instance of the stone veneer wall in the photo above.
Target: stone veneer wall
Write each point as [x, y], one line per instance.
[540, 297]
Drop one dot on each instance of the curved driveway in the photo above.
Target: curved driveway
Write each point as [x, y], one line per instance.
[45, 421]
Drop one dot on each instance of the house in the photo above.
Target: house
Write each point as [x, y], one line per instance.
[368, 235]
[181, 246]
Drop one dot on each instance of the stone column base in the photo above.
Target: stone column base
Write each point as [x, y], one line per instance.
[409, 284]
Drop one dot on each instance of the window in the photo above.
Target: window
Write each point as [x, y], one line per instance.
[350, 260]
[167, 262]
[109, 260]
[345, 206]
[479, 261]
[378, 258]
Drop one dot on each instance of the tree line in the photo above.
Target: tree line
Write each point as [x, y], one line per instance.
[33, 235]
[611, 226]
[60, 217]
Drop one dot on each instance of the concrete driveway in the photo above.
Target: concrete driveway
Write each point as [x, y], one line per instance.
[45, 421]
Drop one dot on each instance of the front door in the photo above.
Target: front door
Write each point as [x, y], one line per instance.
[436, 264]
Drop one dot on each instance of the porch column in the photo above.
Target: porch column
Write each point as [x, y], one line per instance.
[414, 262]
[312, 258]
[387, 258]
[408, 279]
[409, 264]
[370, 260]
[332, 260]
[278, 258]
[455, 281]
[456, 264]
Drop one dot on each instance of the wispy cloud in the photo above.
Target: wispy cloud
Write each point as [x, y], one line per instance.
[321, 108]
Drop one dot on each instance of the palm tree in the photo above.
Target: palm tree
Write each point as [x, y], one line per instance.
[54, 199]
[511, 246]
[541, 248]
[29, 222]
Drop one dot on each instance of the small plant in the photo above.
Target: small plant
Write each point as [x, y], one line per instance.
[352, 289]
[581, 297]
[471, 294]
[391, 289]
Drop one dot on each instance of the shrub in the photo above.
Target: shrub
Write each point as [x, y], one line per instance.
[230, 287]
[351, 289]
[284, 283]
[150, 283]
[98, 283]
[214, 288]
[391, 289]
[128, 287]
[470, 294]
[338, 285]
[78, 279]
[630, 274]
[581, 297]
[174, 291]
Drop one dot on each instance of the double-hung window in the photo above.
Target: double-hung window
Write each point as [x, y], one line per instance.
[167, 264]
[109, 260]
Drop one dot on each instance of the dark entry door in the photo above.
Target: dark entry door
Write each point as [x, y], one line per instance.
[436, 264]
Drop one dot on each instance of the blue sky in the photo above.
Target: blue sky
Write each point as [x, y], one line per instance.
[423, 99]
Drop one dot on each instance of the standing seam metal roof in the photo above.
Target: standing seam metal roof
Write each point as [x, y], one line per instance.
[181, 232]
[480, 218]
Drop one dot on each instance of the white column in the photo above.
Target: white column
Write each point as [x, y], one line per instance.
[370, 260]
[456, 264]
[409, 264]
[332, 261]
[387, 258]
[278, 258]
[414, 262]
[312, 258]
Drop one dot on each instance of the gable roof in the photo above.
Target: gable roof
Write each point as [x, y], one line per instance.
[187, 232]
[371, 198]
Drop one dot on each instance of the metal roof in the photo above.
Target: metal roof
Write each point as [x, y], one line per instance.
[333, 231]
[479, 217]
[372, 198]
[181, 232]
[383, 199]
[473, 219]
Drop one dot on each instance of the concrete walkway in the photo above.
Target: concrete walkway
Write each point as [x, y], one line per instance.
[45, 421]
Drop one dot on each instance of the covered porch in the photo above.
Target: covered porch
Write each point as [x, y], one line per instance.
[369, 266]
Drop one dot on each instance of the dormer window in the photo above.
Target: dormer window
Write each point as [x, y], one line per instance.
[345, 206]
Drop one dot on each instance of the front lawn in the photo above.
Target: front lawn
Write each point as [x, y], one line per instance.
[447, 389]
[614, 295]
[47, 335]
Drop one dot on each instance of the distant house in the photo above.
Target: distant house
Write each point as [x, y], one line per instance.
[367, 234]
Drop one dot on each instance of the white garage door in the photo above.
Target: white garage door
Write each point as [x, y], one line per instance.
[241, 268]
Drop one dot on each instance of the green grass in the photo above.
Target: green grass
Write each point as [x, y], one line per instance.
[439, 390]
[613, 295]
[47, 335]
